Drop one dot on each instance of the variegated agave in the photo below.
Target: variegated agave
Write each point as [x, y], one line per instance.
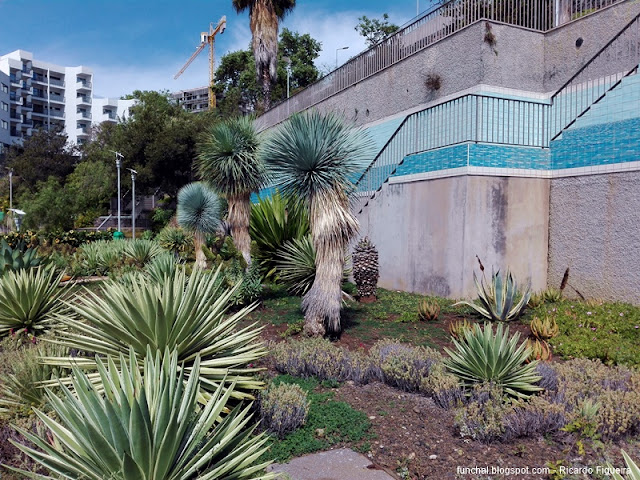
[180, 312]
[483, 357]
[499, 299]
[145, 425]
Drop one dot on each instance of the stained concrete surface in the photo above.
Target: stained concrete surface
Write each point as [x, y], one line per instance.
[341, 464]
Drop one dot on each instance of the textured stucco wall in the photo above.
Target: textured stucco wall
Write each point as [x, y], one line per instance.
[429, 232]
[462, 61]
[561, 56]
[595, 231]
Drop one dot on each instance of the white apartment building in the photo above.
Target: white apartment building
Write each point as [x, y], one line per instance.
[193, 100]
[111, 110]
[36, 94]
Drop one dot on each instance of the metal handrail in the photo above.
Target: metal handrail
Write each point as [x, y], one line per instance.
[422, 32]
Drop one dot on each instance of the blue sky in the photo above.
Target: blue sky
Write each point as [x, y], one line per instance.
[142, 44]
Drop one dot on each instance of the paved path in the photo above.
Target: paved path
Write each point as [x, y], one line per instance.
[342, 464]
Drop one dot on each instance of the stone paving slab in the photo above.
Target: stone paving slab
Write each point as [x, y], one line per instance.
[341, 464]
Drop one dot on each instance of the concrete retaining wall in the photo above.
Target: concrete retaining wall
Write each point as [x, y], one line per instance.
[429, 232]
[594, 230]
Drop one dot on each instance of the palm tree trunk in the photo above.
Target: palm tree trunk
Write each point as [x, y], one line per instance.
[332, 225]
[198, 241]
[263, 21]
[239, 216]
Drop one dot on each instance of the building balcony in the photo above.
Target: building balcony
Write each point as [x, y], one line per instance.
[26, 72]
[39, 113]
[15, 81]
[56, 98]
[56, 114]
[57, 83]
[83, 100]
[80, 85]
[82, 131]
[86, 115]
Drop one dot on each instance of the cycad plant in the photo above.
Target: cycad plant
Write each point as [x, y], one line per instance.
[482, 357]
[198, 212]
[499, 299]
[29, 298]
[316, 157]
[182, 313]
[228, 162]
[143, 422]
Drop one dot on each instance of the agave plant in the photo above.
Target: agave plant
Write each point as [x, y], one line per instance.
[458, 327]
[29, 299]
[198, 212]
[102, 256]
[175, 240]
[485, 357]
[161, 267]
[146, 425]
[633, 470]
[20, 390]
[183, 313]
[275, 220]
[428, 310]
[539, 350]
[17, 258]
[142, 251]
[316, 156]
[499, 299]
[228, 161]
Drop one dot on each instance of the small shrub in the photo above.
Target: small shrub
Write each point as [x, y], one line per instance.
[311, 358]
[539, 350]
[433, 82]
[283, 408]
[402, 366]
[482, 418]
[534, 417]
[548, 377]
[618, 415]
[443, 387]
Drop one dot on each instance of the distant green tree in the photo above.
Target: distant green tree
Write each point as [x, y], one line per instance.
[48, 206]
[374, 29]
[45, 154]
[237, 90]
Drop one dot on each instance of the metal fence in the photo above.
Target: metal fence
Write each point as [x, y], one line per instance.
[592, 82]
[432, 26]
[471, 118]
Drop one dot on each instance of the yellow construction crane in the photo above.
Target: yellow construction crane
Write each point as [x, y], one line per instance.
[208, 38]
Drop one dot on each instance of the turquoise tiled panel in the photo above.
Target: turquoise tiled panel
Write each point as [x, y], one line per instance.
[439, 159]
[602, 144]
[503, 156]
[264, 193]
[382, 132]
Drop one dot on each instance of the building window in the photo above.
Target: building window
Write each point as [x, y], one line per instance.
[5, 125]
[5, 107]
[5, 88]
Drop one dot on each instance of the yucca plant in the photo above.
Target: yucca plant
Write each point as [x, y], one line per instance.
[544, 329]
[499, 299]
[228, 162]
[198, 212]
[161, 267]
[183, 313]
[315, 157]
[102, 256]
[276, 220]
[144, 423]
[485, 357]
[29, 299]
[142, 251]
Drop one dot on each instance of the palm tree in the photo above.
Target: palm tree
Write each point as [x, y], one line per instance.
[228, 161]
[263, 18]
[198, 211]
[316, 157]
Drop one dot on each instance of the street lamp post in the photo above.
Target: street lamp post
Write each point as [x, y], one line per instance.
[338, 49]
[133, 202]
[288, 67]
[10, 187]
[119, 158]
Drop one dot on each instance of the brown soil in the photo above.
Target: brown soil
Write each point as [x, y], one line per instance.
[412, 432]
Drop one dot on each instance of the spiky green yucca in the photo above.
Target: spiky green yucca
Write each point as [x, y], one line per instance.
[296, 263]
[146, 425]
[275, 220]
[29, 298]
[228, 161]
[199, 212]
[316, 156]
[498, 299]
[180, 312]
[480, 356]
[142, 251]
